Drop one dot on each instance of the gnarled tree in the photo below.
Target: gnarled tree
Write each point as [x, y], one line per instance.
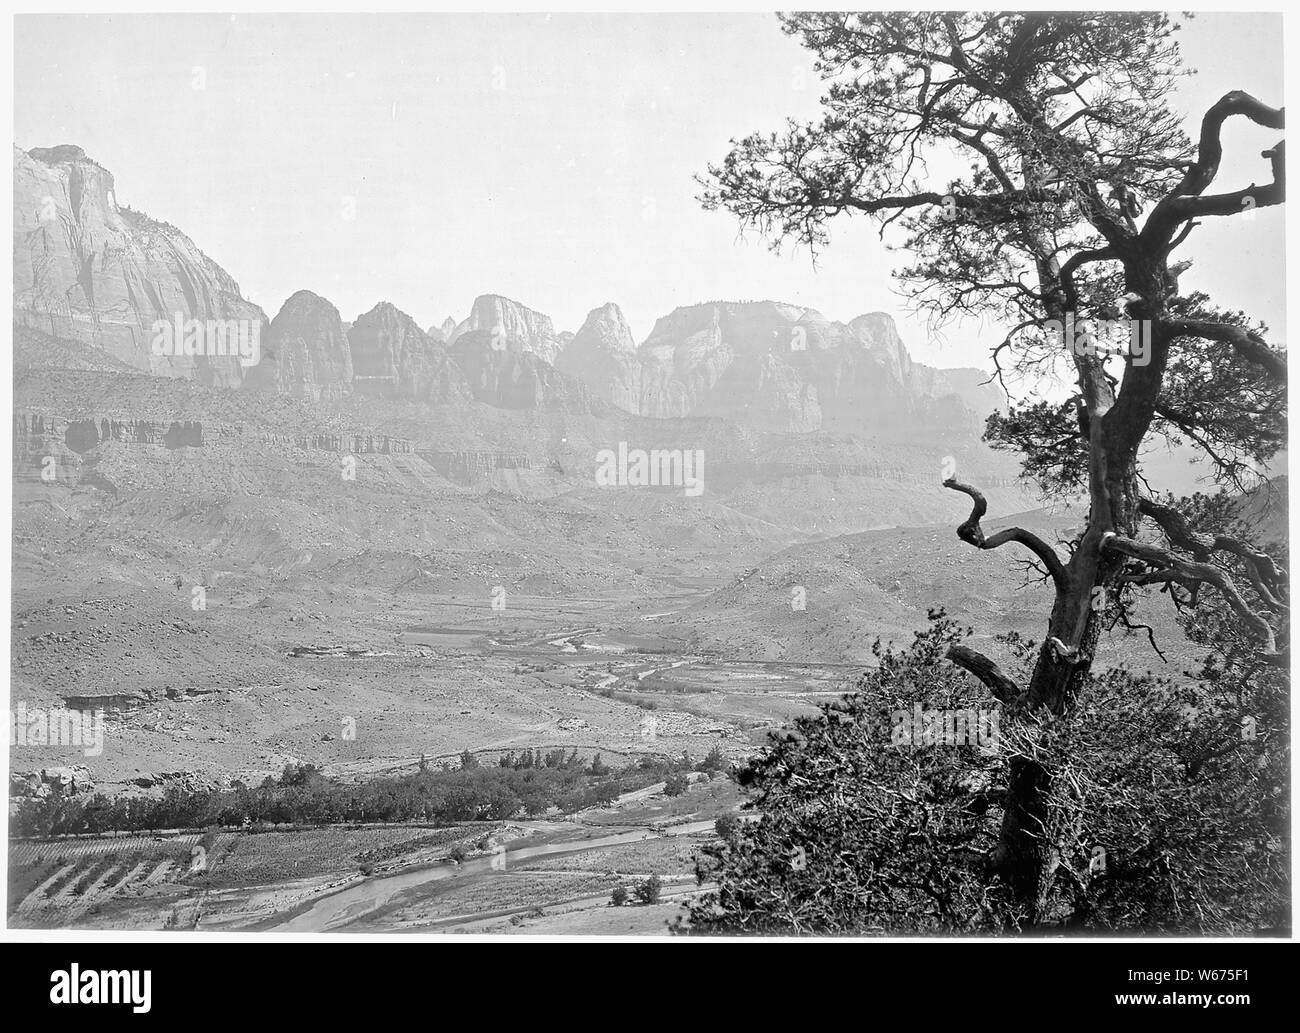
[1041, 177]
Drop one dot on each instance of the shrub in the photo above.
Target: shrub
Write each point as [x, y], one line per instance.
[1166, 817]
[647, 892]
[676, 784]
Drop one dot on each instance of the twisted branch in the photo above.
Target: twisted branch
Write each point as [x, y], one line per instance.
[1269, 580]
[985, 670]
[1193, 572]
[1246, 343]
[1185, 200]
[971, 533]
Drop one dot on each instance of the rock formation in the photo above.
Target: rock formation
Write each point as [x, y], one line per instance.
[443, 332]
[602, 354]
[508, 378]
[305, 352]
[782, 368]
[88, 270]
[514, 327]
[99, 276]
[394, 358]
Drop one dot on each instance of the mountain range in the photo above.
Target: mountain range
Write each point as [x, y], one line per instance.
[91, 271]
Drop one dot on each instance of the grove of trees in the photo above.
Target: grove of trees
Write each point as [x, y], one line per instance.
[303, 795]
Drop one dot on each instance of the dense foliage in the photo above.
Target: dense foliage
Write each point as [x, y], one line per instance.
[302, 795]
[1169, 811]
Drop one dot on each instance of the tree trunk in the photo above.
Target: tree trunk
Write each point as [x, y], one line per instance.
[1027, 854]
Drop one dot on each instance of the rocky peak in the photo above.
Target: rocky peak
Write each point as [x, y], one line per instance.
[784, 368]
[305, 353]
[879, 333]
[516, 327]
[442, 332]
[603, 355]
[60, 154]
[393, 358]
[606, 329]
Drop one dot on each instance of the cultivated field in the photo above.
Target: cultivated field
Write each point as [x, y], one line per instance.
[397, 878]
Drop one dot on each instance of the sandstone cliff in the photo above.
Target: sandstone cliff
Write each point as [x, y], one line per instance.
[602, 354]
[305, 352]
[394, 358]
[88, 270]
[511, 379]
[514, 327]
[782, 368]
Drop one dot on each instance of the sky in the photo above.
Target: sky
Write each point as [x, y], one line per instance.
[427, 159]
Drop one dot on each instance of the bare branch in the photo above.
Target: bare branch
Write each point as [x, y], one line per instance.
[985, 670]
[1194, 571]
[971, 533]
[1185, 201]
[1177, 529]
[1210, 148]
[1246, 343]
[1122, 616]
[1269, 580]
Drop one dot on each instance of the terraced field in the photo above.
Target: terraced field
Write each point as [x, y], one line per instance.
[364, 878]
[60, 882]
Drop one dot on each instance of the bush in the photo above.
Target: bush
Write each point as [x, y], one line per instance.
[676, 784]
[1167, 817]
[647, 892]
[619, 897]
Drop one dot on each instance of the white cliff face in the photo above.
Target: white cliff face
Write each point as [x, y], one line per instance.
[879, 334]
[87, 270]
[443, 332]
[514, 327]
[603, 355]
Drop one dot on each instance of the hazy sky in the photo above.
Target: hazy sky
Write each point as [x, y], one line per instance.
[426, 159]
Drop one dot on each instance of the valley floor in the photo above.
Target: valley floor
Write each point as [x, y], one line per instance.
[594, 675]
[373, 673]
[553, 875]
